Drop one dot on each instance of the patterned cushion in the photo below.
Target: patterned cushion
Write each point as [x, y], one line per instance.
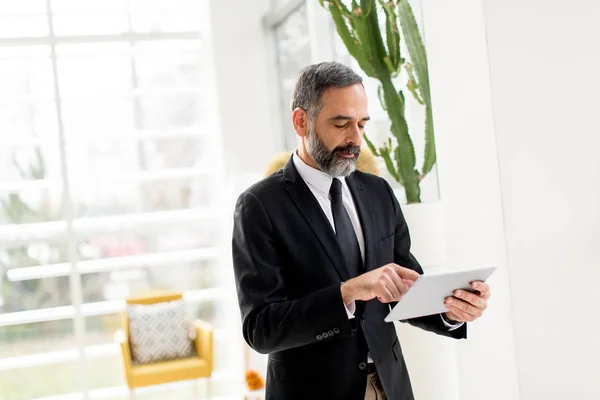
[158, 332]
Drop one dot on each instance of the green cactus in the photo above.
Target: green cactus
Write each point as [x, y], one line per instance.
[381, 59]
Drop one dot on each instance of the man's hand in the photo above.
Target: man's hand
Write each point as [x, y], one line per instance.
[388, 283]
[467, 307]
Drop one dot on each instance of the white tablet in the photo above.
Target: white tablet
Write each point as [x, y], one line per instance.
[427, 295]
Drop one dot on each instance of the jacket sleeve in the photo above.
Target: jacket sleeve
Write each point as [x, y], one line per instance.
[404, 258]
[271, 321]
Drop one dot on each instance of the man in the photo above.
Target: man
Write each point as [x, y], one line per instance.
[321, 251]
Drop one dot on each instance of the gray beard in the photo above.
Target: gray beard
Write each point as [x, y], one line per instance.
[328, 161]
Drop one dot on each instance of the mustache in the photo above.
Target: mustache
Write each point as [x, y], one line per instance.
[351, 149]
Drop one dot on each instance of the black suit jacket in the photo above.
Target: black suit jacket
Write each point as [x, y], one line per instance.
[289, 267]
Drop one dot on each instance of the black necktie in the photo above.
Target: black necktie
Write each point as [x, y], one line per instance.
[344, 230]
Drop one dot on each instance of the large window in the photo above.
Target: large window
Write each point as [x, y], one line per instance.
[293, 53]
[109, 185]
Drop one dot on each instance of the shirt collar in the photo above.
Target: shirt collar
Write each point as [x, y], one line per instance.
[313, 176]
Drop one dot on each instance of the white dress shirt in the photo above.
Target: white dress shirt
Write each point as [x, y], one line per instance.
[319, 184]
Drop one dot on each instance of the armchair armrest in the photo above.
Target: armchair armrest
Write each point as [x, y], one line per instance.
[123, 341]
[204, 341]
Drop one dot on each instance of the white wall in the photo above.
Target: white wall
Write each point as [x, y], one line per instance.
[544, 64]
[517, 192]
[245, 104]
[245, 98]
[470, 187]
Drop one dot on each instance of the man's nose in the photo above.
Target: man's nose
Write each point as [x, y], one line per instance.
[356, 135]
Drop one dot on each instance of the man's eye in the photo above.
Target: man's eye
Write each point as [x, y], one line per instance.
[361, 127]
[340, 126]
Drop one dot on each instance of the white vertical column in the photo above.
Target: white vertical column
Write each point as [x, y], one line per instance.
[470, 187]
[243, 120]
[243, 85]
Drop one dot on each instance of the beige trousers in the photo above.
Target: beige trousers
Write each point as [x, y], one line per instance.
[374, 389]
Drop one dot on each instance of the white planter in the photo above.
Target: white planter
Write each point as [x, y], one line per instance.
[426, 226]
[431, 359]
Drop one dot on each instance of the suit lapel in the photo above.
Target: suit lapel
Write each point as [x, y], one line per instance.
[365, 214]
[315, 217]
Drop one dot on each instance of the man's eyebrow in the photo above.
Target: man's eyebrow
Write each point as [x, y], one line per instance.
[345, 117]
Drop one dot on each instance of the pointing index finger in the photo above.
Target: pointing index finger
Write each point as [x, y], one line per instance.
[407, 273]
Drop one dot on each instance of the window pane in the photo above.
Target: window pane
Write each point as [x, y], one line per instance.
[61, 6]
[26, 98]
[209, 311]
[105, 161]
[40, 381]
[293, 53]
[157, 69]
[26, 71]
[293, 43]
[26, 206]
[36, 293]
[127, 156]
[178, 276]
[170, 110]
[168, 238]
[106, 371]
[23, 7]
[165, 4]
[165, 21]
[95, 117]
[18, 26]
[27, 120]
[101, 329]
[30, 185]
[102, 49]
[90, 24]
[175, 152]
[120, 177]
[35, 338]
[28, 164]
[85, 74]
[108, 199]
[102, 117]
[173, 48]
[19, 380]
[17, 291]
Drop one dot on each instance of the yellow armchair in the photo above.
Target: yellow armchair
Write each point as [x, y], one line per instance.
[195, 367]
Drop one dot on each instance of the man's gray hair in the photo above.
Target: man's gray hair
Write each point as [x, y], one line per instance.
[315, 79]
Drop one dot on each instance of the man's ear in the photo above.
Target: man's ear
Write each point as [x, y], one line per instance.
[300, 121]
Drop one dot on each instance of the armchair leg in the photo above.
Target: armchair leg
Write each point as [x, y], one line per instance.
[195, 389]
[208, 389]
[131, 394]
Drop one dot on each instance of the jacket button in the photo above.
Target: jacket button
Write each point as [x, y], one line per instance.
[362, 366]
[325, 335]
[336, 330]
[330, 333]
[319, 337]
